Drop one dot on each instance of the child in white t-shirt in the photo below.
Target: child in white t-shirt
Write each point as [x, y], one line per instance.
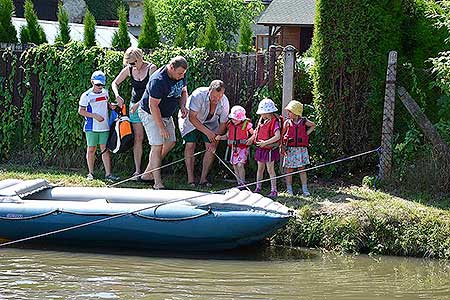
[93, 106]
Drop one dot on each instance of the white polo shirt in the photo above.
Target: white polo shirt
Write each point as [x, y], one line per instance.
[199, 102]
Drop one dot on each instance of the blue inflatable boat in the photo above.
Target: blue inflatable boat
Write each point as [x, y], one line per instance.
[155, 219]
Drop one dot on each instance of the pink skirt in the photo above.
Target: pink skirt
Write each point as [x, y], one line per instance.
[239, 155]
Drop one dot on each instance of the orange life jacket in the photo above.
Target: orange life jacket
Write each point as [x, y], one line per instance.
[238, 134]
[265, 131]
[296, 135]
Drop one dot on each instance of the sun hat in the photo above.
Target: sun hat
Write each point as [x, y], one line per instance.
[266, 106]
[98, 77]
[237, 113]
[295, 107]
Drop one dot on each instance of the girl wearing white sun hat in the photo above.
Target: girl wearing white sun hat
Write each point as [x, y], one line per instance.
[267, 139]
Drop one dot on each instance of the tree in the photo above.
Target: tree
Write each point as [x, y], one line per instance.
[149, 37]
[89, 29]
[441, 63]
[8, 33]
[192, 15]
[32, 32]
[180, 37]
[64, 29]
[121, 40]
[211, 39]
[245, 40]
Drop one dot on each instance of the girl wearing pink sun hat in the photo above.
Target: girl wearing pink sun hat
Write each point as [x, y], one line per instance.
[240, 129]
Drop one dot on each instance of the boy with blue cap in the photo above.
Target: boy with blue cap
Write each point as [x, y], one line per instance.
[93, 106]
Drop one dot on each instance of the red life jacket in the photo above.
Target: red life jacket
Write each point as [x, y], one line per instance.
[296, 135]
[238, 134]
[265, 131]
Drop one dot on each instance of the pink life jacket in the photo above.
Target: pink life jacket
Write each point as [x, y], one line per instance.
[238, 134]
[296, 135]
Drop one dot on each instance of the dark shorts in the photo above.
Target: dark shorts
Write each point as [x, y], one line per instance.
[265, 155]
[195, 136]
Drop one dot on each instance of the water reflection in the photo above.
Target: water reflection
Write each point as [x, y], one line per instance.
[269, 273]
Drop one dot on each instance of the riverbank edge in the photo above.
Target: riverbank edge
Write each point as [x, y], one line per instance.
[370, 222]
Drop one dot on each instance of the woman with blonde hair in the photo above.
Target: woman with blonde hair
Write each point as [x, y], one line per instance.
[139, 70]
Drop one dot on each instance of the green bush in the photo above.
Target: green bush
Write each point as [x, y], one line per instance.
[193, 14]
[64, 29]
[180, 37]
[32, 32]
[210, 38]
[89, 29]
[120, 39]
[245, 39]
[8, 33]
[149, 37]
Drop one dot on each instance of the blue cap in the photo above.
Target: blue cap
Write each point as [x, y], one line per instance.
[98, 77]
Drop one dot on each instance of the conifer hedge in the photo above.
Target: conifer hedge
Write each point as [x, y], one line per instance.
[351, 43]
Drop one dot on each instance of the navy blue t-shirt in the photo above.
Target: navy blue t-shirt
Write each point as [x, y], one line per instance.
[160, 86]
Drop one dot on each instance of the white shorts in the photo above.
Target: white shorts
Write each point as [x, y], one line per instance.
[152, 130]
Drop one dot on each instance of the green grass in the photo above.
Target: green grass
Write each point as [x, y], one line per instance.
[341, 218]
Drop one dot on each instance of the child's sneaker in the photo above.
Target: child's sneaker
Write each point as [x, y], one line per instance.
[257, 190]
[273, 194]
[290, 192]
[90, 177]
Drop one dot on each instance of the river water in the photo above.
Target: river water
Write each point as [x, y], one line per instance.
[273, 273]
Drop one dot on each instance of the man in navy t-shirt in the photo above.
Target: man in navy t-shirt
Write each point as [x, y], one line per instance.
[166, 91]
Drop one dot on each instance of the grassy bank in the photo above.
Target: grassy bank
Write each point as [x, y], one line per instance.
[339, 218]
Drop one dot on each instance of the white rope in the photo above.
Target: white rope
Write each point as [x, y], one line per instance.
[229, 169]
[152, 170]
[316, 167]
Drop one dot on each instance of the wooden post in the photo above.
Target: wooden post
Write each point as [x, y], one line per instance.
[441, 149]
[272, 61]
[423, 122]
[288, 76]
[260, 68]
[387, 131]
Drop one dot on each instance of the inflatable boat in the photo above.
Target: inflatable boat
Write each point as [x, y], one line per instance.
[140, 218]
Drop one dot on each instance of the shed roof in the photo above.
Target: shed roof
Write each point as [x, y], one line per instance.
[103, 34]
[289, 12]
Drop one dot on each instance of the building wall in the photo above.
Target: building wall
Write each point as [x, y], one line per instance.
[290, 35]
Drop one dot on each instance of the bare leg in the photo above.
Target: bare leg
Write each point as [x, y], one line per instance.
[90, 158]
[303, 177]
[208, 159]
[236, 172]
[138, 131]
[189, 158]
[241, 172]
[289, 177]
[106, 160]
[272, 174]
[260, 173]
[166, 149]
[155, 163]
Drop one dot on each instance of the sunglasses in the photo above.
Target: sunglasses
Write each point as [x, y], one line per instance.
[99, 84]
[132, 63]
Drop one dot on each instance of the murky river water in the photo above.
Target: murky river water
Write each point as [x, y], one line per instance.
[272, 274]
